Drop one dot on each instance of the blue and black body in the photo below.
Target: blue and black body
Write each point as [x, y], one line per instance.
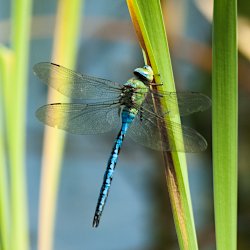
[107, 105]
[134, 93]
[127, 118]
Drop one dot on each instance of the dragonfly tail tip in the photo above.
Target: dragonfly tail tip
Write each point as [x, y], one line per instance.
[96, 220]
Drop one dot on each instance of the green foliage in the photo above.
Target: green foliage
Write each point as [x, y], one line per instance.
[148, 22]
[225, 122]
[14, 227]
[4, 190]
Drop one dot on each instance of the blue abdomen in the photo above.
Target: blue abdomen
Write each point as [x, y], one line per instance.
[127, 118]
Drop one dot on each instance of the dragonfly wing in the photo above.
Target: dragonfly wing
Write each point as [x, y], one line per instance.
[146, 128]
[76, 85]
[80, 118]
[188, 102]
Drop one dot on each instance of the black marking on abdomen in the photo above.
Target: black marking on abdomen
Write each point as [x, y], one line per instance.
[108, 176]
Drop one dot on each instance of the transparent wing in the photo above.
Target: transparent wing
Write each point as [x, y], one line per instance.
[76, 85]
[188, 102]
[146, 127]
[80, 118]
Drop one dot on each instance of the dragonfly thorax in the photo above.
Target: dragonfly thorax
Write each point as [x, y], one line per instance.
[133, 93]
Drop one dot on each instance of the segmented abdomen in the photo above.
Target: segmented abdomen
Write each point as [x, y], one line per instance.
[127, 118]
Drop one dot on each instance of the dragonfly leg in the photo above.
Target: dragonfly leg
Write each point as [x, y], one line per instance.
[156, 84]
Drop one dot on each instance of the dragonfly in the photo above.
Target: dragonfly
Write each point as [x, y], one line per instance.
[134, 107]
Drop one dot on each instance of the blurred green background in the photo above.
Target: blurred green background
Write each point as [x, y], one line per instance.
[138, 208]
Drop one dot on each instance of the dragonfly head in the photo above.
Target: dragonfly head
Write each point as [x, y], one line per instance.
[145, 74]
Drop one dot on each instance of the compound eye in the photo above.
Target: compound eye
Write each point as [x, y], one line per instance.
[148, 68]
[145, 73]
